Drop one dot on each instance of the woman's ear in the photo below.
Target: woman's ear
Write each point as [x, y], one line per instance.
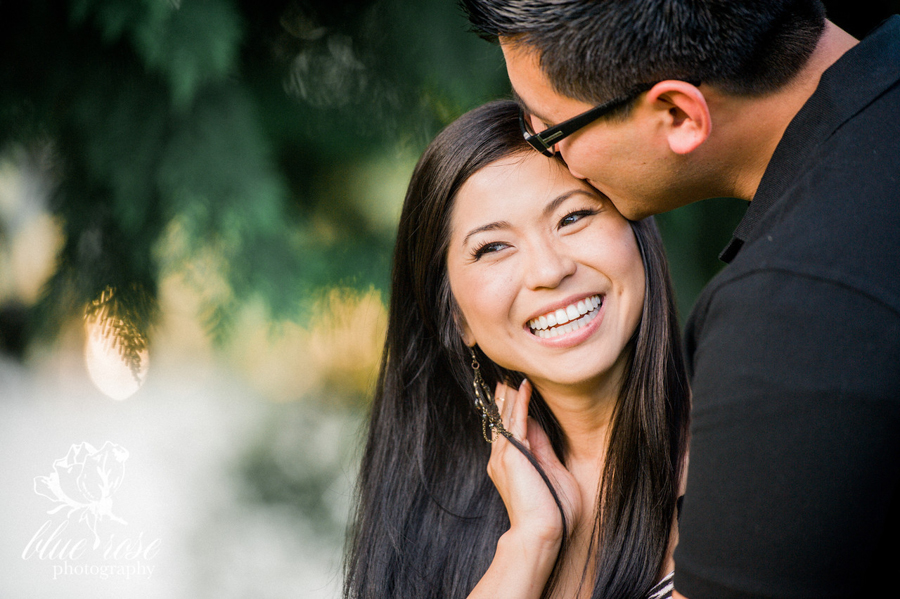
[462, 327]
[464, 331]
[686, 119]
[467, 336]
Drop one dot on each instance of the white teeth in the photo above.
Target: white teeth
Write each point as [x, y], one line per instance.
[565, 320]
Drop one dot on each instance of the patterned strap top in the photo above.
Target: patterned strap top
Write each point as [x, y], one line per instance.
[663, 589]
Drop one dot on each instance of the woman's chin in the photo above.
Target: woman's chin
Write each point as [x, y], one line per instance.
[585, 379]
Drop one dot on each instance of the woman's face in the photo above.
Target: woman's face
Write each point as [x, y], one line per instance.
[547, 274]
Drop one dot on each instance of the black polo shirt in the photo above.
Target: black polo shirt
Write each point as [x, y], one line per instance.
[794, 352]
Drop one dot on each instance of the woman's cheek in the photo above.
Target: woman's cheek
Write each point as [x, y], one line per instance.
[491, 299]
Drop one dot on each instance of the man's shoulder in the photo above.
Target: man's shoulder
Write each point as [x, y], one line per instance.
[826, 244]
[835, 215]
[850, 122]
[836, 166]
[778, 324]
[838, 221]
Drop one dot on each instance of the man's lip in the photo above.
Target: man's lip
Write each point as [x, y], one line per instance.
[562, 305]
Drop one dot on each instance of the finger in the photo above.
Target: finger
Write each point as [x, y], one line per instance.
[540, 444]
[500, 398]
[505, 398]
[518, 410]
[497, 448]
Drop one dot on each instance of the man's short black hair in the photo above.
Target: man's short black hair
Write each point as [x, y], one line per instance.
[594, 50]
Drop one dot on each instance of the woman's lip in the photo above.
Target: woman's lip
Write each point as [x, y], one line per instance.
[575, 337]
[562, 305]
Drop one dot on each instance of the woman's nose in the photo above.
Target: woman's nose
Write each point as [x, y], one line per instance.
[547, 266]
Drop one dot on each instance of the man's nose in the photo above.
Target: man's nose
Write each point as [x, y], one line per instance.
[562, 150]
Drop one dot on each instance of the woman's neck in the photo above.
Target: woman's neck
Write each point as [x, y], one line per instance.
[585, 421]
[584, 415]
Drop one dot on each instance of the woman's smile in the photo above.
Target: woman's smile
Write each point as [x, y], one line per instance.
[568, 319]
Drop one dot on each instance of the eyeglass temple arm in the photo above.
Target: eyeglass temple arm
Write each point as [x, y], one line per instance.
[548, 136]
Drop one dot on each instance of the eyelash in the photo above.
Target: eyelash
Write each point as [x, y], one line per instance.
[579, 213]
[484, 248]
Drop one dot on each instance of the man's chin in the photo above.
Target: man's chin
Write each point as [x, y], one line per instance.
[631, 210]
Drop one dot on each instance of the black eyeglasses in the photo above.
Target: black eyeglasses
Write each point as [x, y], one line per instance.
[545, 141]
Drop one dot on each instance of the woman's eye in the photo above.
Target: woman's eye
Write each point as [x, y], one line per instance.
[487, 248]
[574, 217]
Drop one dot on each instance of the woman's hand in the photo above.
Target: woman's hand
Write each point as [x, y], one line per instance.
[532, 511]
[527, 551]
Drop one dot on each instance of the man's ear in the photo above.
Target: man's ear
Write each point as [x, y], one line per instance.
[686, 118]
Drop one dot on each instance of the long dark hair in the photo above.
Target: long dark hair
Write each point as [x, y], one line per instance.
[427, 516]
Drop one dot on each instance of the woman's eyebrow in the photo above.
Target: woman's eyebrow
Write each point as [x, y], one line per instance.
[554, 204]
[548, 209]
[500, 224]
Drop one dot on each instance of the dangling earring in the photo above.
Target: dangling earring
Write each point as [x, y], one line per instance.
[484, 401]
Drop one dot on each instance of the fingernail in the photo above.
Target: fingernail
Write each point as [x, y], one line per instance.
[522, 384]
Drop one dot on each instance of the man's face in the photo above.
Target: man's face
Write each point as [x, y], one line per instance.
[628, 160]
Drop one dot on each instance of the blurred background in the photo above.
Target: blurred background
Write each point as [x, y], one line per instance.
[198, 200]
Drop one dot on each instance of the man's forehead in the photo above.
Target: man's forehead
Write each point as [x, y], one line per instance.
[530, 86]
[528, 108]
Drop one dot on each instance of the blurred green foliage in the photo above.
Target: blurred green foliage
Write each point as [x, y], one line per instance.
[181, 127]
[248, 131]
